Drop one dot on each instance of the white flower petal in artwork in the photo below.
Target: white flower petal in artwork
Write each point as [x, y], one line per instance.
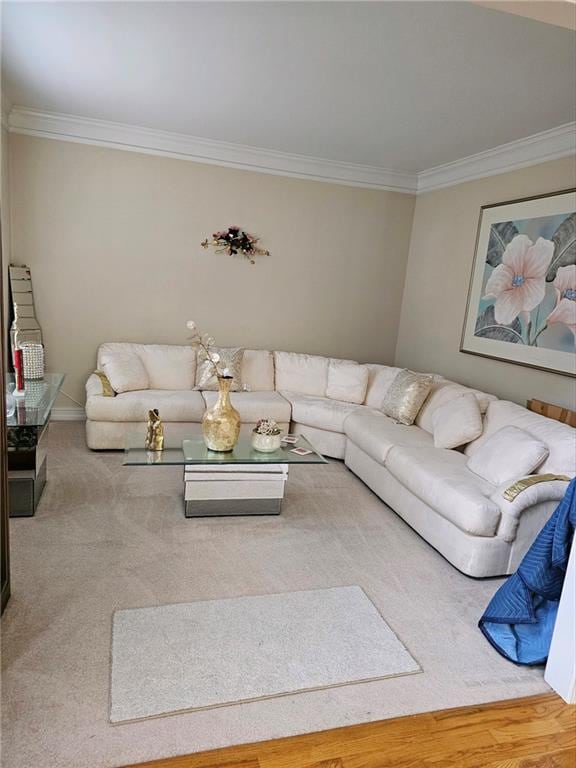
[565, 313]
[500, 280]
[515, 253]
[191, 325]
[507, 307]
[537, 258]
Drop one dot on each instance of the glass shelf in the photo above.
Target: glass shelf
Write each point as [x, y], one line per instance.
[33, 409]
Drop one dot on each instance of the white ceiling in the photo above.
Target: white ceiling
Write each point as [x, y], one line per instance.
[397, 85]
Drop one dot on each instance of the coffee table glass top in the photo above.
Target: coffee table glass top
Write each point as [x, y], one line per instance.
[194, 451]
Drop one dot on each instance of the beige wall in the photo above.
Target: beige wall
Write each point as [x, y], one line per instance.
[437, 278]
[113, 240]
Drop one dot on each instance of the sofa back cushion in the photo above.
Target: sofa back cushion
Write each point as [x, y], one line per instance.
[258, 370]
[559, 438]
[229, 360]
[406, 395]
[380, 378]
[442, 392]
[347, 381]
[124, 371]
[168, 366]
[509, 454]
[306, 374]
[457, 422]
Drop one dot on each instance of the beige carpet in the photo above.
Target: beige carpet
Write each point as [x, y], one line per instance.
[108, 537]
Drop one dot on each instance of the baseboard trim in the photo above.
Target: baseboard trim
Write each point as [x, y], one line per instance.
[68, 414]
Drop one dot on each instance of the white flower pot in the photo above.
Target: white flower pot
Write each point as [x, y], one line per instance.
[265, 443]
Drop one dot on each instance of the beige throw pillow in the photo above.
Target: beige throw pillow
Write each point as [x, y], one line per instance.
[457, 422]
[230, 362]
[406, 396]
[347, 381]
[508, 454]
[125, 372]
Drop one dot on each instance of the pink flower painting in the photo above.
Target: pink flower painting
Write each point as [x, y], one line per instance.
[565, 287]
[518, 284]
[522, 301]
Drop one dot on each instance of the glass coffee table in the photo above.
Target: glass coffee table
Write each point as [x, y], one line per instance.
[238, 482]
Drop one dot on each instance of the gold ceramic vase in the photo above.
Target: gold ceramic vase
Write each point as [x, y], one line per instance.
[221, 422]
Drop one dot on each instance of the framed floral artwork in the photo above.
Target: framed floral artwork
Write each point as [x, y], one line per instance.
[522, 297]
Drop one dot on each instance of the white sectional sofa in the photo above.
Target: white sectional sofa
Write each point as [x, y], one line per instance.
[462, 515]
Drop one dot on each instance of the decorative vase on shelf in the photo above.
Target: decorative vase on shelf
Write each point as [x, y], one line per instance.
[221, 422]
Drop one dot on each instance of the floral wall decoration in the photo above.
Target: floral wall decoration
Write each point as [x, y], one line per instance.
[522, 298]
[236, 241]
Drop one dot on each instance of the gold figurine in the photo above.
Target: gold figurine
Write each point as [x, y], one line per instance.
[155, 432]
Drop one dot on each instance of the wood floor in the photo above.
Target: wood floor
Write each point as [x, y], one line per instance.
[536, 732]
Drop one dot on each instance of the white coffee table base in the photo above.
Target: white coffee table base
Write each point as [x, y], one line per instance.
[212, 490]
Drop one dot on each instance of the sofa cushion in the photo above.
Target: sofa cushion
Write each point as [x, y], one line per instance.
[457, 422]
[379, 380]
[229, 363]
[124, 371]
[320, 412]
[258, 370]
[560, 438]
[508, 455]
[168, 366]
[255, 405]
[347, 381]
[307, 374]
[484, 398]
[376, 434]
[444, 391]
[176, 405]
[441, 479]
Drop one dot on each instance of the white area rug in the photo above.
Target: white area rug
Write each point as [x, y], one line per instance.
[210, 653]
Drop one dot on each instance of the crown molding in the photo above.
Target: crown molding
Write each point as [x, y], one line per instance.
[181, 146]
[548, 145]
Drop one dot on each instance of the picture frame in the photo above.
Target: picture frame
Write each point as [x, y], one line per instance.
[521, 305]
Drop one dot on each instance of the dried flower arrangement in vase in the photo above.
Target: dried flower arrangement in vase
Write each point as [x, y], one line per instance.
[221, 422]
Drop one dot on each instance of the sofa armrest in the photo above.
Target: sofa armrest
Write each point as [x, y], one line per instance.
[98, 385]
[514, 498]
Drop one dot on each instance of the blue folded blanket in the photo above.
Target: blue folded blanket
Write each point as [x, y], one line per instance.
[520, 618]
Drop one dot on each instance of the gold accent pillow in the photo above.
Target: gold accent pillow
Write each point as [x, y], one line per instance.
[107, 390]
[230, 361]
[406, 395]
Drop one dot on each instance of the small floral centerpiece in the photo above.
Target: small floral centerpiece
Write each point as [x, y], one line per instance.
[266, 436]
[236, 241]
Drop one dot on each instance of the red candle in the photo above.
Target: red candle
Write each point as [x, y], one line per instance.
[18, 370]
